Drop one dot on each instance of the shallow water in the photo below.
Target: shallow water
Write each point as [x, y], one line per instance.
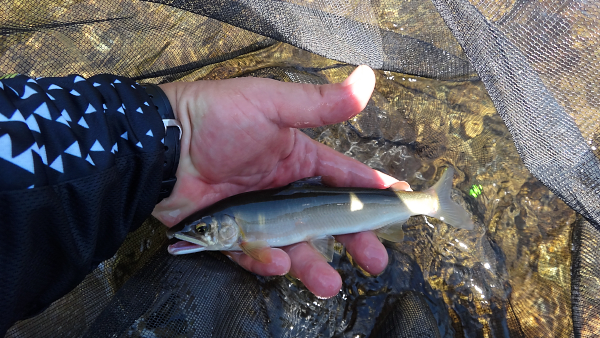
[508, 277]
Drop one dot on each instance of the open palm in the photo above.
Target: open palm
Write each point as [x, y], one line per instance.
[240, 135]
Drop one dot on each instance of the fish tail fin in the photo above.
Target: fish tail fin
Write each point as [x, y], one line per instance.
[449, 211]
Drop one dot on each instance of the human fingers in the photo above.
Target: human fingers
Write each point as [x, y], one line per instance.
[339, 170]
[295, 105]
[280, 263]
[367, 251]
[313, 270]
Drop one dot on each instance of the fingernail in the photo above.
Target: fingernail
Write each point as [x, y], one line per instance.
[351, 78]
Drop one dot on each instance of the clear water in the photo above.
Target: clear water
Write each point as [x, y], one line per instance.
[513, 268]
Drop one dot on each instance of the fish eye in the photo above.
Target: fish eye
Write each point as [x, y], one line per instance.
[202, 228]
[204, 225]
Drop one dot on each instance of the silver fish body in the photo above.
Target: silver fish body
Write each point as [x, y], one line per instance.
[296, 213]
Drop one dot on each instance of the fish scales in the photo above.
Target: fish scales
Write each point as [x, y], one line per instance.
[314, 213]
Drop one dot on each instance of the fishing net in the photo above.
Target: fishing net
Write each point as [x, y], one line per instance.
[505, 91]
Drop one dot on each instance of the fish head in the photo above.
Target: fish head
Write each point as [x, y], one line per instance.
[215, 232]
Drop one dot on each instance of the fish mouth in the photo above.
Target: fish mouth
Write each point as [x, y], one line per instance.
[179, 228]
[189, 243]
[183, 248]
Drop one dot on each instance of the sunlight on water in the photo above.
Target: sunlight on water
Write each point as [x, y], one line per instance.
[411, 129]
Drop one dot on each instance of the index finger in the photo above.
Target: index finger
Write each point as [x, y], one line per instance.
[339, 170]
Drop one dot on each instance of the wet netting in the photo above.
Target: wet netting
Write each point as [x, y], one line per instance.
[505, 91]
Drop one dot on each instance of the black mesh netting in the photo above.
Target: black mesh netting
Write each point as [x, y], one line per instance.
[458, 82]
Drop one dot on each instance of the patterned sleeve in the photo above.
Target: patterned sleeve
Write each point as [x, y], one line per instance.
[81, 163]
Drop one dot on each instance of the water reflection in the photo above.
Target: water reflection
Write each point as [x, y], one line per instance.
[514, 265]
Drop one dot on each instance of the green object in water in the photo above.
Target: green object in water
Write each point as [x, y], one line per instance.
[476, 190]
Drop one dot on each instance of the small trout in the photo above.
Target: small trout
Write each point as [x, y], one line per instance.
[255, 221]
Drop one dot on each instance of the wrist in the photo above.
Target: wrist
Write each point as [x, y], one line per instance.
[171, 140]
[182, 200]
[175, 92]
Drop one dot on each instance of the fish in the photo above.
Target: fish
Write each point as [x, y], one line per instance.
[254, 222]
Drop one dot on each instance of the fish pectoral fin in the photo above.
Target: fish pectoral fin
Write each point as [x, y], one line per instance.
[392, 233]
[324, 246]
[258, 250]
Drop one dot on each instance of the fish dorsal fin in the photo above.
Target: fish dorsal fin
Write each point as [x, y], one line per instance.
[315, 181]
[324, 245]
[392, 233]
[258, 250]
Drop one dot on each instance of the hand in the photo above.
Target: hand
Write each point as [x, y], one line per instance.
[239, 135]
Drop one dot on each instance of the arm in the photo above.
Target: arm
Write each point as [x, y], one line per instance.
[81, 163]
[238, 135]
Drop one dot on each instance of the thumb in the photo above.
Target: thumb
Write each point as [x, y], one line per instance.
[305, 105]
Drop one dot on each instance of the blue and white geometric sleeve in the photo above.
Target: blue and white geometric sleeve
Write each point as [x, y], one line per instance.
[81, 164]
[57, 129]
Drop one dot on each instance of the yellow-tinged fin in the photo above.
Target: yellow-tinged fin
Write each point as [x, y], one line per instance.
[392, 233]
[258, 250]
[449, 211]
[324, 245]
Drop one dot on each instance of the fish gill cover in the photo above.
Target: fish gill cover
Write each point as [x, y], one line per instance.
[505, 91]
